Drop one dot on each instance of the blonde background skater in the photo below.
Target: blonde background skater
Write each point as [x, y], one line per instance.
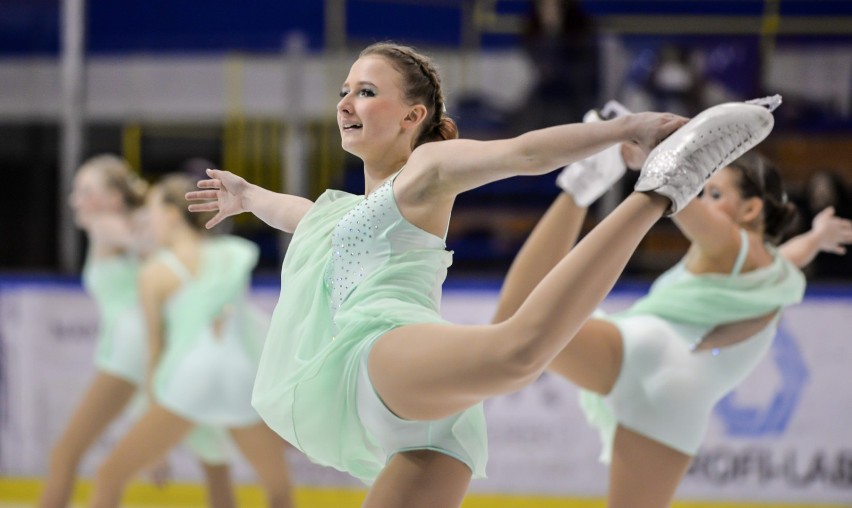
[204, 340]
[106, 200]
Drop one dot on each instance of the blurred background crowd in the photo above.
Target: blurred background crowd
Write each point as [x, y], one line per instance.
[251, 87]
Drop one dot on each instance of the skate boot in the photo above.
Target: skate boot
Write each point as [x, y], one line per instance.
[679, 166]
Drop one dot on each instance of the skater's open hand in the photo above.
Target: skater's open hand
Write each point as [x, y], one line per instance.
[224, 194]
[833, 232]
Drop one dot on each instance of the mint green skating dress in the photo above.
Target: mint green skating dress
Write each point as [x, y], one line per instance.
[213, 337]
[356, 269]
[666, 388]
[122, 349]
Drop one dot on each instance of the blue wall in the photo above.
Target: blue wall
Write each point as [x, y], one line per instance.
[32, 26]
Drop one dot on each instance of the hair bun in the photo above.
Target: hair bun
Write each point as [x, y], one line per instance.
[446, 128]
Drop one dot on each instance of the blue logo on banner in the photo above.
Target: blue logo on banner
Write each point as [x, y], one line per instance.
[772, 417]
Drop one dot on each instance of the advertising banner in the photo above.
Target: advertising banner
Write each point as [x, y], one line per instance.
[785, 434]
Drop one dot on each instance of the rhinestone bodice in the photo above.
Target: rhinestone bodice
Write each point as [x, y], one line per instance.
[366, 237]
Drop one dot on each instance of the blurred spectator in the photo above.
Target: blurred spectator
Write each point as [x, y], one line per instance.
[560, 40]
[669, 79]
[827, 188]
[560, 43]
[676, 84]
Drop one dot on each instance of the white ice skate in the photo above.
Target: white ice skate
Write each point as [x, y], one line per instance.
[679, 166]
[588, 179]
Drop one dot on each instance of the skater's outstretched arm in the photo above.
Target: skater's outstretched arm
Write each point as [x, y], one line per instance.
[828, 233]
[228, 194]
[455, 166]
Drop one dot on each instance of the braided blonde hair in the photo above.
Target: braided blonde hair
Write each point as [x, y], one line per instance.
[421, 85]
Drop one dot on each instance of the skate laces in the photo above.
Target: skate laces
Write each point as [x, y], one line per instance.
[730, 142]
[726, 143]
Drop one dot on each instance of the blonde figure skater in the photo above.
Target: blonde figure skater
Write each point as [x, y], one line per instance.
[204, 340]
[706, 323]
[359, 371]
[105, 199]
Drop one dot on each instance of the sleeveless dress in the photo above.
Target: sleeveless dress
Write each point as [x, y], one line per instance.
[122, 349]
[356, 269]
[666, 389]
[205, 373]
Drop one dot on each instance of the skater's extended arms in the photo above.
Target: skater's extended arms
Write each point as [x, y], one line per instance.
[228, 194]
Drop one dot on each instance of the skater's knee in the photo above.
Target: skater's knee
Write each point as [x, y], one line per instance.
[521, 357]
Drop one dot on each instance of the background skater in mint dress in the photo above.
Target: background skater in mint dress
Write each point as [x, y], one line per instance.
[204, 340]
[652, 374]
[359, 371]
[106, 199]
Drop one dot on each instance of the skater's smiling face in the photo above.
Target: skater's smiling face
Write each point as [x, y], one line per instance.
[390, 103]
[373, 115]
